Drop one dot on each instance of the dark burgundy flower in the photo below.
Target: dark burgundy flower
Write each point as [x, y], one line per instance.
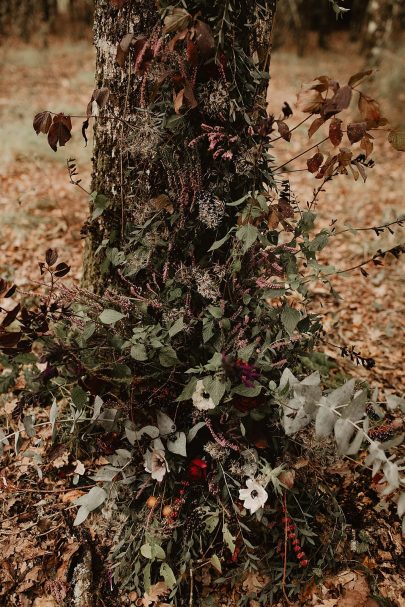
[197, 470]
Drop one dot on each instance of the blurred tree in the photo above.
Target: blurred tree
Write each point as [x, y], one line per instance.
[383, 22]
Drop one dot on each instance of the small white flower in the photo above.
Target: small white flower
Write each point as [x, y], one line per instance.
[254, 497]
[156, 464]
[201, 399]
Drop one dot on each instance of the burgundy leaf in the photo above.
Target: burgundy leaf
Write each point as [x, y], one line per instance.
[335, 131]
[315, 162]
[317, 123]
[42, 122]
[356, 131]
[85, 126]
[51, 256]
[9, 339]
[60, 131]
[203, 38]
[61, 270]
[283, 130]
[340, 101]
[11, 316]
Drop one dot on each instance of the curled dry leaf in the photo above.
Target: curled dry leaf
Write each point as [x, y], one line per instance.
[177, 19]
[335, 131]
[370, 110]
[310, 101]
[283, 130]
[397, 140]
[340, 101]
[42, 122]
[356, 131]
[355, 79]
[60, 131]
[315, 162]
[316, 124]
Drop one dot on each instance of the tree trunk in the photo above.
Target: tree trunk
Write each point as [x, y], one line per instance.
[382, 23]
[130, 166]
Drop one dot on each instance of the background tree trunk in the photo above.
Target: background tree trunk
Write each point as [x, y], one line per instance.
[383, 17]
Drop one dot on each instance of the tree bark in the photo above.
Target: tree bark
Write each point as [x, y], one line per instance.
[126, 171]
[382, 22]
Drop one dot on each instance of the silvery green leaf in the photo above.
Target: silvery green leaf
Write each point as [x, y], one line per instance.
[325, 418]
[216, 563]
[167, 573]
[294, 416]
[3, 441]
[193, 431]
[395, 402]
[106, 419]
[152, 552]
[17, 442]
[394, 442]
[287, 379]
[401, 504]
[356, 443]
[151, 431]
[376, 456]
[391, 474]
[157, 445]
[28, 422]
[356, 409]
[176, 327]
[229, 539]
[110, 316]
[188, 390]
[81, 515]
[216, 388]
[344, 431]
[106, 474]
[290, 319]
[165, 424]
[92, 500]
[53, 414]
[98, 403]
[178, 445]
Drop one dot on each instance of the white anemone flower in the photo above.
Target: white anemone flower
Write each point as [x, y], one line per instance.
[201, 399]
[156, 464]
[254, 496]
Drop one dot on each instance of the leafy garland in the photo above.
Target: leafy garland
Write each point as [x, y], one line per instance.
[185, 362]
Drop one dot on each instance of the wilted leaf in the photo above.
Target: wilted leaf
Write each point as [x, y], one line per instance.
[177, 19]
[356, 131]
[283, 130]
[318, 122]
[335, 131]
[204, 40]
[310, 101]
[370, 110]
[60, 131]
[340, 101]
[355, 79]
[315, 162]
[397, 140]
[42, 122]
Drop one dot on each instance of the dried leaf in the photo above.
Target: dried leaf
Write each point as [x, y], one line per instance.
[203, 38]
[397, 140]
[60, 131]
[177, 19]
[51, 256]
[340, 101]
[335, 131]
[42, 122]
[315, 162]
[310, 101]
[356, 131]
[370, 110]
[355, 79]
[367, 145]
[318, 122]
[284, 130]
[123, 49]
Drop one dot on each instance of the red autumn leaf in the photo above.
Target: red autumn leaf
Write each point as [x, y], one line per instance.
[370, 110]
[42, 122]
[177, 38]
[118, 3]
[355, 79]
[317, 123]
[335, 131]
[356, 131]
[283, 130]
[60, 131]
[123, 49]
[315, 162]
[367, 145]
[340, 101]
[203, 38]
[192, 53]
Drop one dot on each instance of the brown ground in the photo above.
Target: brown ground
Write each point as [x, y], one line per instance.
[39, 208]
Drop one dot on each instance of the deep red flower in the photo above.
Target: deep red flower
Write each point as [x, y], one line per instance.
[197, 470]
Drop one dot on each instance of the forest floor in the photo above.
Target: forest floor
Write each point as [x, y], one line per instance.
[39, 208]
